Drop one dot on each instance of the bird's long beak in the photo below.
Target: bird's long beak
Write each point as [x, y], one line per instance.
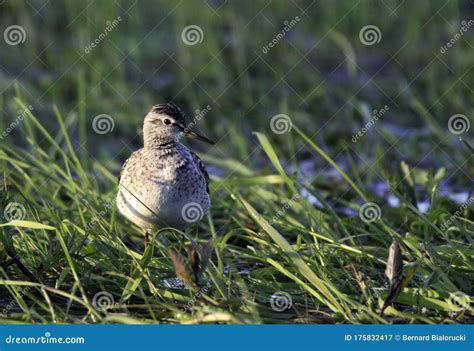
[193, 135]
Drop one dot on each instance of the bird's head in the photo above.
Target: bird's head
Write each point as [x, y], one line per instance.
[167, 123]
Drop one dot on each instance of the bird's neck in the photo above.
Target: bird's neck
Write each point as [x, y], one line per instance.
[152, 139]
[159, 143]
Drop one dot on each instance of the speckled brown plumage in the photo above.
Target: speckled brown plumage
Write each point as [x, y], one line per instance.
[163, 184]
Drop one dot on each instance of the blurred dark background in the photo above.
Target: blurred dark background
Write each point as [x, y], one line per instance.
[120, 57]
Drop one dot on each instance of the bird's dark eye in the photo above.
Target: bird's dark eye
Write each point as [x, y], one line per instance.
[166, 121]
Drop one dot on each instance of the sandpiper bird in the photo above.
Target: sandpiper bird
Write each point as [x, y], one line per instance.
[164, 184]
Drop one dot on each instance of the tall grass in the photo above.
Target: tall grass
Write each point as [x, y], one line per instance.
[274, 226]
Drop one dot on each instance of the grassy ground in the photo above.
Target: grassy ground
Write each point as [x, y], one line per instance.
[302, 218]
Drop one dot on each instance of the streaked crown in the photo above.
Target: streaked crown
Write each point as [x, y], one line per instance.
[171, 110]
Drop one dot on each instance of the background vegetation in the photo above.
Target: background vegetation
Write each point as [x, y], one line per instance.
[286, 241]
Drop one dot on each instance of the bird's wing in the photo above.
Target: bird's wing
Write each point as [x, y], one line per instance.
[123, 168]
[199, 163]
[131, 159]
